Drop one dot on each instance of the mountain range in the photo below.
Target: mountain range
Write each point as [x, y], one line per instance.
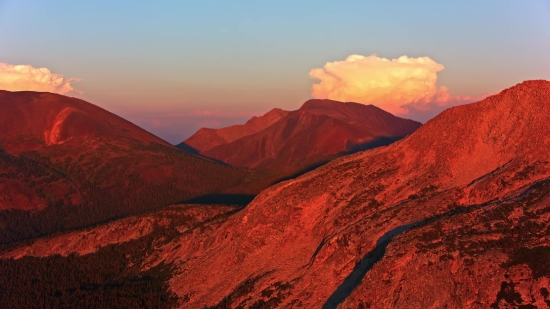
[290, 141]
[454, 215]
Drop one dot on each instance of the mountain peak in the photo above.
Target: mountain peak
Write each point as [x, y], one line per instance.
[205, 139]
[534, 84]
[481, 136]
[270, 117]
[326, 103]
[526, 91]
[319, 130]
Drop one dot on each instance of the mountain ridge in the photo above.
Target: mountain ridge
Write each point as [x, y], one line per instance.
[320, 130]
[205, 138]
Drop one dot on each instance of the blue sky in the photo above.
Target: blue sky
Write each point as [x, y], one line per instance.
[147, 59]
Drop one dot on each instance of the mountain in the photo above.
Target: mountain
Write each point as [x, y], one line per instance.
[317, 132]
[66, 163]
[453, 216]
[206, 139]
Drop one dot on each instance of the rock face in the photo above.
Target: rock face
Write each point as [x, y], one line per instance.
[206, 139]
[320, 130]
[78, 164]
[455, 215]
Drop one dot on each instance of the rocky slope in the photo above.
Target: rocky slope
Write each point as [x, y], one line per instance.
[454, 216]
[106, 266]
[178, 219]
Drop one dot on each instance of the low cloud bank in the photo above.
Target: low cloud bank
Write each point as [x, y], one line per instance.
[175, 127]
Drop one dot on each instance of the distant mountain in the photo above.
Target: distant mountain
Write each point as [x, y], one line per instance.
[318, 131]
[206, 139]
[66, 163]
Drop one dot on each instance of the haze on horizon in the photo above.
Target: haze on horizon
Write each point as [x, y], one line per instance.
[173, 68]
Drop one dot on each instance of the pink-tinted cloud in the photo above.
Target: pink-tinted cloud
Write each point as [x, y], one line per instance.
[398, 86]
[221, 114]
[27, 77]
[209, 123]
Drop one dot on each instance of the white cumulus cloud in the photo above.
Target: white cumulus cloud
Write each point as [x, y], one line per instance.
[399, 86]
[26, 77]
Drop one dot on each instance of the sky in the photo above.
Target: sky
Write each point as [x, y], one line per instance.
[173, 67]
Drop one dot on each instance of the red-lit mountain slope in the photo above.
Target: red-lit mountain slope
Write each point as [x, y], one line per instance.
[318, 131]
[206, 139]
[77, 164]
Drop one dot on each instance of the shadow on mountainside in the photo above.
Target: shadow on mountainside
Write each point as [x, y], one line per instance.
[190, 150]
[379, 142]
[243, 194]
[366, 264]
[183, 146]
[222, 199]
[301, 172]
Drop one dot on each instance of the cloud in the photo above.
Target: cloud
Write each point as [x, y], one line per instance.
[400, 86]
[221, 114]
[27, 77]
[210, 123]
